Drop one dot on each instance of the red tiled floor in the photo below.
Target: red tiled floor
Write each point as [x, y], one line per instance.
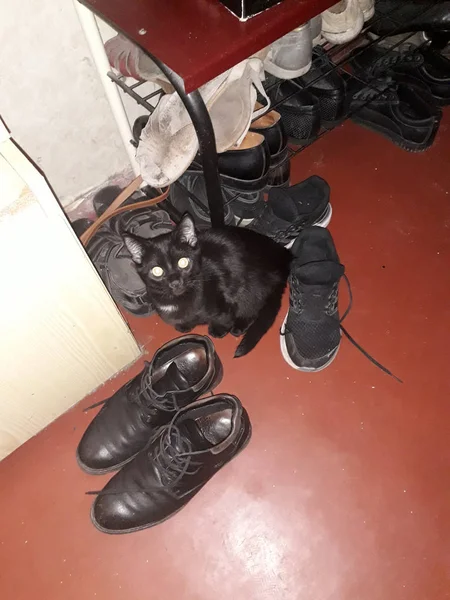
[343, 492]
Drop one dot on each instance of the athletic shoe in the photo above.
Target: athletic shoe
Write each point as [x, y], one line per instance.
[188, 194]
[311, 331]
[289, 210]
[310, 334]
[290, 56]
[368, 8]
[342, 22]
[401, 109]
[425, 64]
[113, 262]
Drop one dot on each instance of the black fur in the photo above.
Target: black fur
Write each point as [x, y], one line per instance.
[234, 281]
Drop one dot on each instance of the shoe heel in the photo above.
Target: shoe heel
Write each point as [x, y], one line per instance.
[280, 171]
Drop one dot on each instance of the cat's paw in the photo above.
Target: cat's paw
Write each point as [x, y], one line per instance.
[237, 332]
[239, 328]
[218, 331]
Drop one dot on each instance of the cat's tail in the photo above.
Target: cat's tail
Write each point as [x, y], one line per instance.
[261, 325]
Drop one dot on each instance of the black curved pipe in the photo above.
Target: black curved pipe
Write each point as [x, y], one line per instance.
[206, 140]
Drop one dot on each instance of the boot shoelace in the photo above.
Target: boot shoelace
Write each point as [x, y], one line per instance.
[142, 393]
[331, 307]
[174, 458]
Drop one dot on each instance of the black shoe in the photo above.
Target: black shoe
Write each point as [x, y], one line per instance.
[188, 194]
[244, 168]
[180, 371]
[113, 262]
[400, 109]
[327, 85]
[185, 455]
[271, 127]
[310, 334]
[289, 210]
[425, 64]
[299, 110]
[397, 16]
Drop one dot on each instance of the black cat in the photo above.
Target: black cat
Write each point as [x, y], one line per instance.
[228, 278]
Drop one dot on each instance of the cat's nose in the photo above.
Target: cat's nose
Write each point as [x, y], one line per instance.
[175, 285]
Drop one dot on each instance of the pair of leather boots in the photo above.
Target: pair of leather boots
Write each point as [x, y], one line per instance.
[162, 437]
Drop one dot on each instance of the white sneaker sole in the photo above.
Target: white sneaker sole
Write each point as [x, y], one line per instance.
[324, 221]
[291, 363]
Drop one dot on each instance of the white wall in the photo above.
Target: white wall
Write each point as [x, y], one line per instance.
[52, 100]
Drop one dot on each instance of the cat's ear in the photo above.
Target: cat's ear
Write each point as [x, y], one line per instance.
[186, 231]
[135, 247]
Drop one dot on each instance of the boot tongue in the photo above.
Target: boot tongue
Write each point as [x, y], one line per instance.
[192, 438]
[318, 273]
[172, 380]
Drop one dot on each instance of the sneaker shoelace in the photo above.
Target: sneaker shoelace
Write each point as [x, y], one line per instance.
[298, 304]
[174, 458]
[381, 89]
[405, 56]
[142, 393]
[281, 235]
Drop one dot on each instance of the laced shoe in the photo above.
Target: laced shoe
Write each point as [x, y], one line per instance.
[180, 460]
[180, 371]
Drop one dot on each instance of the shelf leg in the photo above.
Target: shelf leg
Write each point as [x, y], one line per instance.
[207, 143]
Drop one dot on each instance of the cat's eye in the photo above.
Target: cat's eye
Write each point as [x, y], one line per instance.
[157, 271]
[183, 262]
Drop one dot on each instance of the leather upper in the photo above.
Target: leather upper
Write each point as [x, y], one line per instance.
[175, 466]
[187, 367]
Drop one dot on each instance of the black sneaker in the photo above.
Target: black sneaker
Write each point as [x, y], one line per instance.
[185, 455]
[180, 371]
[113, 261]
[400, 109]
[310, 334]
[188, 194]
[424, 63]
[289, 210]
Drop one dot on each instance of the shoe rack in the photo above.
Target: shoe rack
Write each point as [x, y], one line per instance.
[340, 59]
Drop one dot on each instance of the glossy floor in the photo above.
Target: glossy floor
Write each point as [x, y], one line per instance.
[343, 492]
